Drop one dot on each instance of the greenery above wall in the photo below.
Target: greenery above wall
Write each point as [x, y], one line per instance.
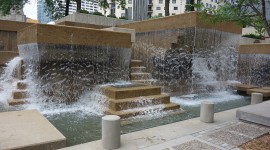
[251, 35]
[111, 16]
[244, 12]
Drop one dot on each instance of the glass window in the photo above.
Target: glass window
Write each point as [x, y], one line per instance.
[160, 14]
[158, 8]
[175, 8]
[130, 1]
[173, 1]
[161, 1]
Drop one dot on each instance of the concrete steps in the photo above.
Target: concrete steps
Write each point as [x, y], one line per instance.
[21, 85]
[136, 63]
[131, 92]
[138, 69]
[136, 99]
[13, 102]
[138, 73]
[19, 95]
[140, 76]
[146, 81]
[144, 110]
[129, 103]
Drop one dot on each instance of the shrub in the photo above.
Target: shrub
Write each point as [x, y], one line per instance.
[97, 13]
[111, 16]
[251, 35]
[123, 18]
[83, 11]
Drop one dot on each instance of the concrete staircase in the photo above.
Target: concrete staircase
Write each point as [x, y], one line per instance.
[19, 95]
[138, 74]
[137, 99]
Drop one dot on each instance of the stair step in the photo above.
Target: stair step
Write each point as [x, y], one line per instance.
[140, 76]
[144, 110]
[129, 103]
[146, 81]
[136, 63]
[20, 94]
[21, 85]
[138, 69]
[131, 92]
[13, 102]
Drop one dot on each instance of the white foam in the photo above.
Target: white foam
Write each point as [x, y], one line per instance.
[196, 100]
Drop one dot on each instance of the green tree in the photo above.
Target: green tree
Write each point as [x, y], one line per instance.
[244, 12]
[7, 5]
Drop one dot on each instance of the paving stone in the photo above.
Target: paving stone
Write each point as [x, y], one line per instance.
[248, 130]
[195, 145]
[229, 137]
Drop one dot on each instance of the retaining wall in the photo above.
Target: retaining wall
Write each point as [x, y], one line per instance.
[8, 34]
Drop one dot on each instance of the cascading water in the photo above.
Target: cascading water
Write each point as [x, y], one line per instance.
[63, 73]
[189, 60]
[8, 79]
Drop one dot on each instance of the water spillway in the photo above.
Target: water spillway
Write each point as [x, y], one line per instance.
[187, 55]
[65, 62]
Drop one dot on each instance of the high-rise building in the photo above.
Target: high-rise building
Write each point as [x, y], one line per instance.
[143, 9]
[90, 6]
[42, 15]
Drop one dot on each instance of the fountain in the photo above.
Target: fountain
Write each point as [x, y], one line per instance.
[67, 62]
[188, 56]
[68, 71]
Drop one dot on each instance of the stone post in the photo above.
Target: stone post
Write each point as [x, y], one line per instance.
[207, 112]
[256, 98]
[111, 132]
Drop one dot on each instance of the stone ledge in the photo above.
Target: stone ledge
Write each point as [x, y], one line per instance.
[259, 113]
[28, 129]
[181, 21]
[254, 49]
[57, 34]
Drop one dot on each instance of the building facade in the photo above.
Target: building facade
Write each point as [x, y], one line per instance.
[143, 9]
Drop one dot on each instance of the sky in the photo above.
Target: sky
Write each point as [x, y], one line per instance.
[30, 9]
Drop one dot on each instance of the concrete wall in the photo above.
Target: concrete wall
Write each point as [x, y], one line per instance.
[245, 40]
[253, 64]
[77, 24]
[6, 56]
[180, 21]
[8, 34]
[53, 34]
[93, 19]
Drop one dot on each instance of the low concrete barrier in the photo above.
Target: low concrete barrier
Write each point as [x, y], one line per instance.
[111, 137]
[207, 112]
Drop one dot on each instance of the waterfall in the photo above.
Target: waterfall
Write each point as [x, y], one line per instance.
[8, 79]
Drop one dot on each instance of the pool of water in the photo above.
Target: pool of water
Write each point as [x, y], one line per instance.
[81, 122]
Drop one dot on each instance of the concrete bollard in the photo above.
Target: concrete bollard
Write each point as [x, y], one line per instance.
[207, 112]
[256, 98]
[111, 132]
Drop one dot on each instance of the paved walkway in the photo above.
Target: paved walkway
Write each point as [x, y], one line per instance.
[225, 133]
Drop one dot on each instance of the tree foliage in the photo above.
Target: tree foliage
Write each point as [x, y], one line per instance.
[7, 5]
[244, 12]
